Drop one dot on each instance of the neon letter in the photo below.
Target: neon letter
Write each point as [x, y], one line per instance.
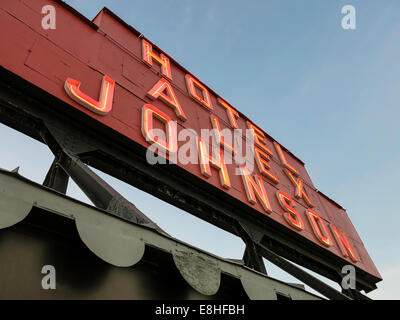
[191, 84]
[255, 188]
[262, 159]
[300, 191]
[318, 227]
[283, 159]
[103, 106]
[206, 159]
[163, 90]
[259, 137]
[343, 243]
[148, 56]
[291, 215]
[148, 113]
[219, 137]
[232, 113]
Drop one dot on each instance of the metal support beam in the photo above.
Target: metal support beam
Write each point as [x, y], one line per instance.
[355, 294]
[302, 275]
[56, 178]
[255, 251]
[251, 257]
[97, 190]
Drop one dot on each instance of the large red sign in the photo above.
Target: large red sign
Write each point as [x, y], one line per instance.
[109, 71]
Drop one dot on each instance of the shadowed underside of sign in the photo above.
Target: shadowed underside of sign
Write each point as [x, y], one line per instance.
[109, 72]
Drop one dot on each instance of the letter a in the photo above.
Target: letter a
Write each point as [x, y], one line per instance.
[49, 20]
[49, 280]
[349, 20]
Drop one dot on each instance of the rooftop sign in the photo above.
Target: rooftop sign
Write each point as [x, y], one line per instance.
[113, 74]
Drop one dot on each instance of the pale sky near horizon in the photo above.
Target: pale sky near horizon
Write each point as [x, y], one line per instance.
[331, 96]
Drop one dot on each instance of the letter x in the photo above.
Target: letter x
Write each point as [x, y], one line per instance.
[300, 191]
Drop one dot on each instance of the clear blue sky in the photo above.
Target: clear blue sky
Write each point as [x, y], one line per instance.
[329, 95]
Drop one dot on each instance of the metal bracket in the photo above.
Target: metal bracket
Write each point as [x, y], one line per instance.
[255, 251]
[302, 275]
[251, 257]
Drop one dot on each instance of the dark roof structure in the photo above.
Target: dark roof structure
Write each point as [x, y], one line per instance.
[100, 256]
